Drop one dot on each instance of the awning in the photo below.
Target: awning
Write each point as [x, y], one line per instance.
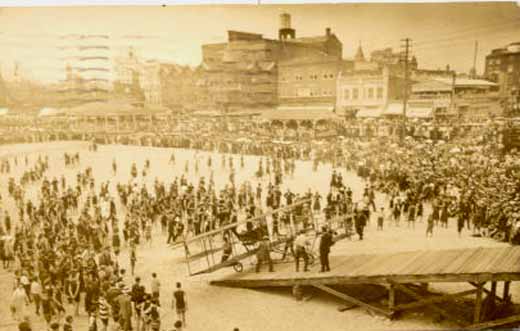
[419, 112]
[369, 112]
[4, 111]
[301, 113]
[46, 111]
[394, 109]
[412, 111]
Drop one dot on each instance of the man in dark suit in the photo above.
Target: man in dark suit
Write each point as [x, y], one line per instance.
[325, 243]
[360, 221]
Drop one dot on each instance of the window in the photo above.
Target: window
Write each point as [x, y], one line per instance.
[355, 94]
[346, 93]
[371, 93]
[380, 93]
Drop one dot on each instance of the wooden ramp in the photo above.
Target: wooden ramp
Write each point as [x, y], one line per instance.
[401, 272]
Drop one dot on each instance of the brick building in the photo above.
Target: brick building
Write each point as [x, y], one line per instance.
[503, 68]
[244, 72]
[309, 80]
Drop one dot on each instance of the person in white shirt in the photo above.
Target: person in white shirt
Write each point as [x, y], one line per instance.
[300, 249]
[26, 283]
[36, 294]
[155, 287]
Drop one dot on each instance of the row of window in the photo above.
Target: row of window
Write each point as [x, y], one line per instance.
[311, 77]
[369, 93]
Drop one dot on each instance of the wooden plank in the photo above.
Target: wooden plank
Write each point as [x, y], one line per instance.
[347, 265]
[478, 304]
[353, 300]
[457, 264]
[368, 268]
[249, 279]
[485, 261]
[391, 297]
[385, 265]
[347, 307]
[426, 260]
[433, 306]
[493, 293]
[486, 291]
[402, 268]
[494, 323]
[506, 290]
[440, 265]
[500, 260]
[514, 263]
[436, 299]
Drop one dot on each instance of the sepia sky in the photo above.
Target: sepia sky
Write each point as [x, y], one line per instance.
[441, 33]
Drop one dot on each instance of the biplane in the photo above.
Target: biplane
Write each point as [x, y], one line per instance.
[232, 244]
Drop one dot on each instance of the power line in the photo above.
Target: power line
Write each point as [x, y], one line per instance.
[481, 31]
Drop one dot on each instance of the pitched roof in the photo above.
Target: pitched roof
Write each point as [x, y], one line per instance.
[359, 54]
[113, 108]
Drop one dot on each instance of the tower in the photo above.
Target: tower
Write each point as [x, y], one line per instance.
[285, 31]
[359, 57]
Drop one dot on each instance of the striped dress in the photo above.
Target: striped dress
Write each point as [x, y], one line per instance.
[104, 310]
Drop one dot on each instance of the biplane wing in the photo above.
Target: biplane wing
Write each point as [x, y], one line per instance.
[235, 259]
[235, 224]
[201, 249]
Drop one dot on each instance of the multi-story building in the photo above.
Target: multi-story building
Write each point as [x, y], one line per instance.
[166, 84]
[244, 71]
[393, 60]
[309, 80]
[463, 98]
[126, 80]
[503, 68]
[241, 73]
[367, 93]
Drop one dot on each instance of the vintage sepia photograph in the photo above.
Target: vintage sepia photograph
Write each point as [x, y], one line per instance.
[260, 167]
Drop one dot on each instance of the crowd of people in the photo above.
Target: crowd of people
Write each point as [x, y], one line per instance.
[65, 246]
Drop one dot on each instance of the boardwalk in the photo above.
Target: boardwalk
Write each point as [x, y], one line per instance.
[400, 272]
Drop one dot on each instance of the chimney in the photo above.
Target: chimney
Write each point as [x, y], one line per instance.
[327, 32]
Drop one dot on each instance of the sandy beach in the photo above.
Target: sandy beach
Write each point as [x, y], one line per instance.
[219, 308]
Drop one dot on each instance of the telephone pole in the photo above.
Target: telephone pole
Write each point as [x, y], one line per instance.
[406, 53]
[474, 69]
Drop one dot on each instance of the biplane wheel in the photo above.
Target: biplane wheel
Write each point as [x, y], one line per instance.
[238, 267]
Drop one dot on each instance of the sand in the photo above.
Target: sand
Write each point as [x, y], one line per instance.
[219, 308]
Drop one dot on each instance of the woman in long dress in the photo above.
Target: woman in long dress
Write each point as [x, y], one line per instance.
[18, 302]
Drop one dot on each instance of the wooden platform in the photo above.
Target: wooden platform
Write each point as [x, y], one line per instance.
[401, 272]
[458, 265]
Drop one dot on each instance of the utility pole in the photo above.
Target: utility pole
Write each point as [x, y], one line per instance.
[453, 84]
[474, 71]
[406, 54]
